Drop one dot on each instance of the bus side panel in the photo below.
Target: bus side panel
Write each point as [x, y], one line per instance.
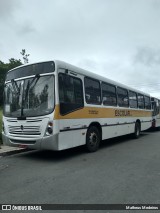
[145, 126]
[71, 138]
[117, 127]
[124, 129]
[109, 132]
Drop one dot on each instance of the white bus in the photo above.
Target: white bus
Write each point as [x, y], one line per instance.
[156, 113]
[54, 105]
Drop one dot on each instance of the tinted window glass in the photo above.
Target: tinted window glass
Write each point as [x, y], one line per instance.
[109, 95]
[147, 102]
[122, 97]
[92, 91]
[70, 93]
[32, 69]
[133, 99]
[30, 97]
[140, 101]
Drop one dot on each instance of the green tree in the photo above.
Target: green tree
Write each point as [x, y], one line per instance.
[4, 67]
[25, 56]
[14, 63]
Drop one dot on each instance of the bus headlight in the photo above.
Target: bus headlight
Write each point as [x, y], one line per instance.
[49, 129]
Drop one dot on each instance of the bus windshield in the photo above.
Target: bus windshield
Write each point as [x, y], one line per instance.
[29, 97]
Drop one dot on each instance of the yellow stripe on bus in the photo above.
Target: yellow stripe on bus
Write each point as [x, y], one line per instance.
[96, 112]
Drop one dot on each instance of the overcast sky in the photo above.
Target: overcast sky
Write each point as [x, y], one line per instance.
[118, 39]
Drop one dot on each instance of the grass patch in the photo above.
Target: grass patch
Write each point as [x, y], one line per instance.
[0, 125]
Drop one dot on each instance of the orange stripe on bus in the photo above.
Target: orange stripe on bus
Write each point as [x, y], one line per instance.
[96, 112]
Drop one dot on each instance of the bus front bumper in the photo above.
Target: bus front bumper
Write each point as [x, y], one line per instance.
[48, 143]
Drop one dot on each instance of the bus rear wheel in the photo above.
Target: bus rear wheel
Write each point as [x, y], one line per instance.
[92, 139]
[137, 130]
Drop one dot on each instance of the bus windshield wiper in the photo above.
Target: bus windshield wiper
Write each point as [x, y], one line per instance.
[31, 84]
[15, 87]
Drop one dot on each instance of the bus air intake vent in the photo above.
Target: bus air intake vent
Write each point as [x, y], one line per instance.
[24, 130]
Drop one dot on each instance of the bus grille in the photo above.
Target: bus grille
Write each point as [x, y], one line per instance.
[24, 130]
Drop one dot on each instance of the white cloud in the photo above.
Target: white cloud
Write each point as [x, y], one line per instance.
[7, 8]
[116, 38]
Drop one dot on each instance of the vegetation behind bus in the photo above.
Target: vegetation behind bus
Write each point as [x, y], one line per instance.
[4, 68]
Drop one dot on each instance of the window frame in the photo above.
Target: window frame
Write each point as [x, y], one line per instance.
[133, 99]
[139, 94]
[82, 90]
[100, 90]
[118, 87]
[108, 84]
[145, 96]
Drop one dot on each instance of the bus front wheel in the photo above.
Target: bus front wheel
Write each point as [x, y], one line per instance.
[92, 139]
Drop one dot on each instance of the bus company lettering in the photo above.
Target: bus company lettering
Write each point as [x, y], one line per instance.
[122, 113]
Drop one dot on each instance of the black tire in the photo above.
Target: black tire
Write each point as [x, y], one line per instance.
[158, 128]
[137, 130]
[92, 139]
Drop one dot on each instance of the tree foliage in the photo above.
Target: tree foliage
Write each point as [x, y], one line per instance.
[4, 67]
[25, 56]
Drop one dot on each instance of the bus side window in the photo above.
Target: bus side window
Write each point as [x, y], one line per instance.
[109, 95]
[92, 91]
[70, 93]
[133, 99]
[140, 101]
[122, 95]
[147, 102]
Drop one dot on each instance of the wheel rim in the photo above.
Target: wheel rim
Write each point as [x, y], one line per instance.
[93, 139]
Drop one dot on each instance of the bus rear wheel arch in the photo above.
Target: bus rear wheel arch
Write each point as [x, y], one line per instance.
[93, 138]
